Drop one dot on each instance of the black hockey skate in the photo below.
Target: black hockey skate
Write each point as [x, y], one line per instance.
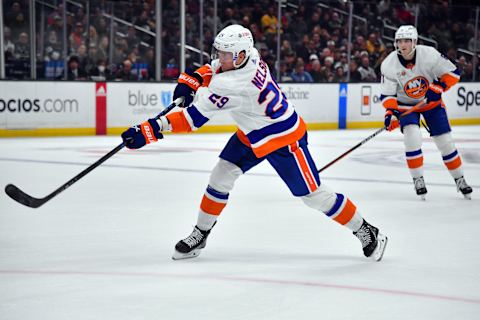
[191, 246]
[420, 188]
[373, 242]
[464, 188]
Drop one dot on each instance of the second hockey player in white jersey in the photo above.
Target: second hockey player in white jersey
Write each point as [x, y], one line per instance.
[411, 74]
[239, 82]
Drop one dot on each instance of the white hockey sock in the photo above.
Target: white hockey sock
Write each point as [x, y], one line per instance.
[451, 157]
[413, 150]
[205, 221]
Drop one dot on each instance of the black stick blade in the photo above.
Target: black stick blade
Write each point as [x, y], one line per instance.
[23, 198]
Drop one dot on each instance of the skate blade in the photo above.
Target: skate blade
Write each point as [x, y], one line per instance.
[468, 196]
[180, 256]
[377, 254]
[422, 197]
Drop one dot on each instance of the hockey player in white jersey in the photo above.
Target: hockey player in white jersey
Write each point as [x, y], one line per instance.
[411, 74]
[238, 82]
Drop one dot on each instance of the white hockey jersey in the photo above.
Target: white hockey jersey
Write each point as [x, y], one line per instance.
[266, 120]
[409, 85]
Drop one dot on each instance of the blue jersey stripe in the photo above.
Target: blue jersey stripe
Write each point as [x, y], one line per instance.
[413, 153]
[257, 135]
[337, 205]
[450, 156]
[198, 118]
[216, 194]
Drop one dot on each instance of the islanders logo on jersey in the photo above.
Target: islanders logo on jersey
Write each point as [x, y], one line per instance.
[416, 88]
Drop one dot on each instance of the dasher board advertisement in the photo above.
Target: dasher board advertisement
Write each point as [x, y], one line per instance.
[33, 105]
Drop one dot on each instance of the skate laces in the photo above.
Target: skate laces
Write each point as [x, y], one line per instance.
[420, 183]
[364, 234]
[194, 238]
[461, 183]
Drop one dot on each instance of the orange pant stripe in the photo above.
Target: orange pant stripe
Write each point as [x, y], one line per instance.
[304, 167]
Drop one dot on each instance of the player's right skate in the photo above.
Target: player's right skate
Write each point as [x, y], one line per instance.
[373, 242]
[464, 188]
[420, 187]
[191, 246]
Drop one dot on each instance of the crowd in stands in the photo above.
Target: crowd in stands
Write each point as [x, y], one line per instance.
[313, 44]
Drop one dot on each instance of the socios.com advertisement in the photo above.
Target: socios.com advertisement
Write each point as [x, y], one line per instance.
[31, 105]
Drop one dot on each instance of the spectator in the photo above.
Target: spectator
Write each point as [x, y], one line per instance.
[15, 19]
[53, 48]
[101, 72]
[316, 72]
[327, 69]
[467, 74]
[76, 38]
[9, 46]
[269, 22]
[340, 75]
[22, 47]
[284, 73]
[355, 75]
[311, 59]
[229, 18]
[474, 45]
[300, 75]
[375, 47]
[171, 71]
[74, 72]
[125, 73]
[367, 72]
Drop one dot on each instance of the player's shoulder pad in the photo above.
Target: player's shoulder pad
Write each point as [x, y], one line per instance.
[428, 55]
[226, 84]
[387, 68]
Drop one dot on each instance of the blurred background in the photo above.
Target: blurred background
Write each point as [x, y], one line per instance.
[154, 40]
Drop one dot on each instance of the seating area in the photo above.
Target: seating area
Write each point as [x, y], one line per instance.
[313, 44]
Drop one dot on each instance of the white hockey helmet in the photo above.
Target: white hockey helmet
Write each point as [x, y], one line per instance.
[407, 32]
[234, 39]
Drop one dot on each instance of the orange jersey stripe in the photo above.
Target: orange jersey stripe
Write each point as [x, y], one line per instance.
[390, 103]
[205, 72]
[211, 207]
[243, 138]
[450, 79]
[178, 122]
[415, 163]
[304, 167]
[282, 141]
[454, 164]
[347, 213]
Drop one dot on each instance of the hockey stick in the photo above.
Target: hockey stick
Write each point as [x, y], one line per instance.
[21, 197]
[420, 105]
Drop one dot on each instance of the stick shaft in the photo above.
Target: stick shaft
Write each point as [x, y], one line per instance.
[418, 106]
[18, 195]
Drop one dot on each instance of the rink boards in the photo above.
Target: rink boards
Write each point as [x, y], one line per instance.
[29, 108]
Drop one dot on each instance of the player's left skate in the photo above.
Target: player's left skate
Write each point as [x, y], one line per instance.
[420, 187]
[373, 242]
[464, 188]
[191, 246]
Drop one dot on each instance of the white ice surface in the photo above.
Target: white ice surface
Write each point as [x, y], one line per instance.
[102, 249]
